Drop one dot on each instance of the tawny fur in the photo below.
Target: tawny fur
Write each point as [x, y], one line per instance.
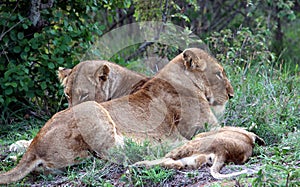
[99, 81]
[217, 147]
[174, 105]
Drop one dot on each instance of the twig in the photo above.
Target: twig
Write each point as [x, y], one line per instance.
[141, 49]
[3, 34]
[121, 19]
[287, 179]
[9, 18]
[165, 12]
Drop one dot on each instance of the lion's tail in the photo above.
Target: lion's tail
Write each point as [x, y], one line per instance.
[216, 167]
[27, 164]
[218, 175]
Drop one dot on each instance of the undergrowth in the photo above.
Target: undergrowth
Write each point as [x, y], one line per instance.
[266, 101]
[281, 163]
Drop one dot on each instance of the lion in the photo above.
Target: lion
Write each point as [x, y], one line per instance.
[173, 105]
[224, 145]
[95, 80]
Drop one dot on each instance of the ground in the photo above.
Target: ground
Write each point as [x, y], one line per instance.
[94, 172]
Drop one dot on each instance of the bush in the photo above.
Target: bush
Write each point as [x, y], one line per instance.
[30, 55]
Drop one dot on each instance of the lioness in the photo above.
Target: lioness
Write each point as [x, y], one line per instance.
[227, 144]
[173, 105]
[98, 81]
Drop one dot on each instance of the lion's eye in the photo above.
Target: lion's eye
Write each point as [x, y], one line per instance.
[219, 75]
[83, 96]
[103, 78]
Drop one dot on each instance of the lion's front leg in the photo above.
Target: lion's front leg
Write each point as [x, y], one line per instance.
[97, 128]
[192, 162]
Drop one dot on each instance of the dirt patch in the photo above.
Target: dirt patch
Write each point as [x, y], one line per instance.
[117, 175]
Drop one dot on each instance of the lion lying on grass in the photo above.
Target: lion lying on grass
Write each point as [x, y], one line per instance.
[96, 80]
[174, 105]
[227, 144]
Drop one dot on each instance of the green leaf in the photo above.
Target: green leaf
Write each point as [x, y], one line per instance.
[25, 87]
[24, 55]
[12, 35]
[25, 26]
[17, 49]
[6, 39]
[27, 49]
[46, 57]
[36, 35]
[43, 85]
[34, 45]
[13, 84]
[20, 35]
[1, 99]
[51, 65]
[8, 91]
[60, 60]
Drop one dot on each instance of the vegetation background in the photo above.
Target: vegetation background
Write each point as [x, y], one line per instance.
[258, 43]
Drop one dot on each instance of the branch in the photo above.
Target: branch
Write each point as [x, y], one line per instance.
[121, 19]
[35, 14]
[223, 22]
[146, 44]
[141, 49]
[47, 5]
[165, 12]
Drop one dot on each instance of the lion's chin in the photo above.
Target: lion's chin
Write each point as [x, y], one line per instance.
[218, 110]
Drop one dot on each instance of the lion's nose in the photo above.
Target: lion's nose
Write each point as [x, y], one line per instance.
[230, 96]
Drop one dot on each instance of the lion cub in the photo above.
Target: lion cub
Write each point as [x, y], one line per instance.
[227, 144]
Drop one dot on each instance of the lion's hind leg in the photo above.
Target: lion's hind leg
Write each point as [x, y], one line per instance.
[165, 162]
[192, 162]
[150, 163]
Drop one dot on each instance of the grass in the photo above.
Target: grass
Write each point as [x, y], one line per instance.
[266, 99]
[281, 163]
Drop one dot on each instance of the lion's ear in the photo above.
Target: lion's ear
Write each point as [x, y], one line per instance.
[102, 73]
[192, 61]
[63, 74]
[259, 140]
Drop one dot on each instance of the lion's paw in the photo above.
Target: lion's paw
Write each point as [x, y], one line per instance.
[20, 146]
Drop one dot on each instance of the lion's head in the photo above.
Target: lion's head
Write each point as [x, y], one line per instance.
[218, 88]
[98, 81]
